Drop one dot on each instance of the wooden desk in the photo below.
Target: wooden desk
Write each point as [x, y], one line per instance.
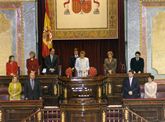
[15, 111]
[151, 109]
[53, 91]
[83, 99]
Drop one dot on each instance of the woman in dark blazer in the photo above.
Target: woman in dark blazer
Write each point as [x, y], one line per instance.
[32, 63]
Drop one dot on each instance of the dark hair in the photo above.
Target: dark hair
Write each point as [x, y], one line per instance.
[75, 49]
[32, 53]
[131, 71]
[10, 57]
[137, 52]
[151, 76]
[51, 49]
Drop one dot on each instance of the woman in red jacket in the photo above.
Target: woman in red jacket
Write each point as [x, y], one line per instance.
[11, 67]
[32, 63]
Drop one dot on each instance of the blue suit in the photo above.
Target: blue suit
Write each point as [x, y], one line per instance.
[135, 88]
[32, 93]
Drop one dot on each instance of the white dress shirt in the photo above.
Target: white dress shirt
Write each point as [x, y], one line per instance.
[130, 80]
[82, 67]
[150, 89]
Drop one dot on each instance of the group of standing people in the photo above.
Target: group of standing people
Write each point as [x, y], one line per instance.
[131, 87]
[32, 87]
[32, 64]
[80, 66]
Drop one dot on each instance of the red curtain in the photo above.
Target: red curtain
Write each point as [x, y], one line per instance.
[96, 50]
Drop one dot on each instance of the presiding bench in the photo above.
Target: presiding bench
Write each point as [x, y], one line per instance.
[53, 91]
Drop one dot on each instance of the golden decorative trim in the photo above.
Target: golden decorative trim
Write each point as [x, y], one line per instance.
[65, 93]
[55, 89]
[126, 115]
[108, 88]
[103, 116]
[62, 117]
[0, 116]
[99, 92]
[39, 116]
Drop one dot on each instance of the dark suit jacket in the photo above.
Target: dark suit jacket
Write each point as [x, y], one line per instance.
[34, 94]
[135, 88]
[53, 64]
[137, 65]
[72, 61]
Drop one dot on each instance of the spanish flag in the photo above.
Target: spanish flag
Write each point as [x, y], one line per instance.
[47, 34]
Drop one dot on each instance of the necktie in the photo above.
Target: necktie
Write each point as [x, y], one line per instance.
[130, 81]
[32, 84]
[51, 58]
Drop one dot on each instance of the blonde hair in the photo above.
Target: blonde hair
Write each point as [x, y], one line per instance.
[15, 77]
[82, 52]
[110, 53]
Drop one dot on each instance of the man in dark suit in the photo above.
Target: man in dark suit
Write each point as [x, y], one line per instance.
[32, 88]
[137, 63]
[73, 59]
[51, 62]
[131, 88]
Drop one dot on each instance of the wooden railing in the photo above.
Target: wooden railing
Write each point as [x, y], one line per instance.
[116, 113]
[130, 116]
[51, 114]
[47, 114]
[36, 117]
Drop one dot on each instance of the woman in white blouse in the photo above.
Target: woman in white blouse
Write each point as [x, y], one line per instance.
[150, 88]
[82, 65]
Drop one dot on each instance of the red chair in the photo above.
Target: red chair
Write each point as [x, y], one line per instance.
[68, 72]
[92, 71]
